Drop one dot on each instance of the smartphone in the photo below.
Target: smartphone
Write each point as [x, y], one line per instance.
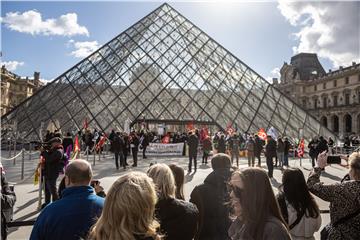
[333, 160]
[94, 182]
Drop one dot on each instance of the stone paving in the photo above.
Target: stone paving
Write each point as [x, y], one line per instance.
[104, 170]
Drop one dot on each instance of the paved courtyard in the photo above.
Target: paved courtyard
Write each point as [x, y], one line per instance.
[104, 170]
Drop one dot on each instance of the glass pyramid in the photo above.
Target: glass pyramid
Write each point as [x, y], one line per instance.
[162, 67]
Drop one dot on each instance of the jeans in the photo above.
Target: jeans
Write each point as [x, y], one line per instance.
[270, 165]
[258, 156]
[135, 156]
[51, 190]
[205, 156]
[235, 154]
[286, 159]
[122, 160]
[280, 156]
[251, 159]
[144, 151]
[192, 157]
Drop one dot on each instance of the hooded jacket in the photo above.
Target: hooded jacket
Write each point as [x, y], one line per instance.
[211, 198]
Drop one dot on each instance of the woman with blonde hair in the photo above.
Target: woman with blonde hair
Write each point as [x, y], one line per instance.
[257, 212]
[128, 212]
[178, 218]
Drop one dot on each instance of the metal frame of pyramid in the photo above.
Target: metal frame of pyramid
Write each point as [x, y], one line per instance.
[162, 67]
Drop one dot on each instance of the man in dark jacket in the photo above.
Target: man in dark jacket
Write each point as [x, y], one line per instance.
[134, 145]
[287, 146]
[270, 153]
[211, 198]
[258, 147]
[322, 145]
[8, 199]
[234, 145]
[72, 216]
[193, 143]
[117, 145]
[54, 163]
[144, 141]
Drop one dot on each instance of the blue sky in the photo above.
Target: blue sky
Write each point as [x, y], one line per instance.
[262, 34]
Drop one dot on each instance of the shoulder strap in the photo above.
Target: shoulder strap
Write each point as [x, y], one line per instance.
[283, 207]
[298, 219]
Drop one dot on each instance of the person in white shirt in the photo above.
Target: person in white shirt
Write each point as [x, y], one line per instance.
[298, 207]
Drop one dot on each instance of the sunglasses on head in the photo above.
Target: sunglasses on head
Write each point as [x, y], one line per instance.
[238, 192]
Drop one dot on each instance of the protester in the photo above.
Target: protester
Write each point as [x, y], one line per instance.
[144, 142]
[178, 218]
[280, 149]
[258, 149]
[234, 145]
[257, 212]
[193, 143]
[313, 151]
[207, 147]
[287, 146]
[210, 198]
[67, 142]
[72, 216]
[322, 145]
[8, 199]
[299, 209]
[128, 212]
[270, 153]
[250, 148]
[117, 147]
[126, 148]
[179, 176]
[331, 144]
[221, 144]
[134, 145]
[343, 197]
[54, 163]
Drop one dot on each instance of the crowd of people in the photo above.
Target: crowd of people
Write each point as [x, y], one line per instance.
[231, 204]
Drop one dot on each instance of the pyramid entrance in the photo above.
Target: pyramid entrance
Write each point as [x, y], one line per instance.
[162, 67]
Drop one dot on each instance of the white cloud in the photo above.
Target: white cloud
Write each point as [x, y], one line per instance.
[12, 65]
[82, 49]
[330, 29]
[275, 73]
[32, 22]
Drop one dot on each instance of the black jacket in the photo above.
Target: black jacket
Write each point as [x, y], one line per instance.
[8, 199]
[211, 198]
[270, 148]
[53, 162]
[258, 147]
[193, 142]
[322, 146]
[287, 146]
[67, 141]
[118, 144]
[221, 145]
[178, 219]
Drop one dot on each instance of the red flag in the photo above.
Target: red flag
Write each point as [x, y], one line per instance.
[189, 126]
[301, 148]
[229, 129]
[76, 144]
[262, 134]
[204, 133]
[165, 139]
[101, 142]
[86, 124]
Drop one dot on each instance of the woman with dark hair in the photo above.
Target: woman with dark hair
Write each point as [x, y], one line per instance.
[257, 212]
[179, 175]
[298, 207]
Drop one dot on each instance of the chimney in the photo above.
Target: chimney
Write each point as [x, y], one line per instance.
[329, 70]
[275, 81]
[341, 67]
[36, 76]
[353, 63]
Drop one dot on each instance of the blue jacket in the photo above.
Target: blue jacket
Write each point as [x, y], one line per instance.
[70, 217]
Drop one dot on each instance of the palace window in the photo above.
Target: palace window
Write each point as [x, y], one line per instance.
[335, 103]
[335, 83]
[315, 88]
[324, 85]
[325, 102]
[347, 99]
[346, 80]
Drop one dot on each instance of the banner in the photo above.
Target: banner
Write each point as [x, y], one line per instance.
[262, 134]
[273, 133]
[170, 149]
